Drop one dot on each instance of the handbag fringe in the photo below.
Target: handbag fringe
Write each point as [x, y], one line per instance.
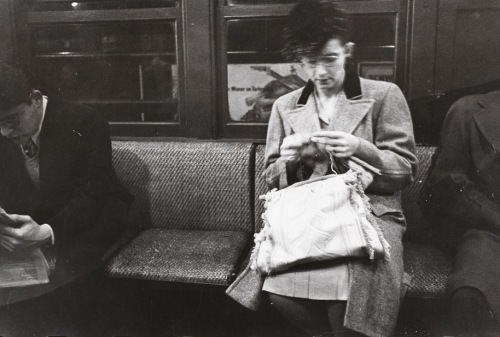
[366, 214]
[263, 235]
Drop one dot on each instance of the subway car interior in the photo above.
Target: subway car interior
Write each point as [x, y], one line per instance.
[164, 125]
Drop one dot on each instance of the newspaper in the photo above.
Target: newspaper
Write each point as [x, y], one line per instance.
[20, 270]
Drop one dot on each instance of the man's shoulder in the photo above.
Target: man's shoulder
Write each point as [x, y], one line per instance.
[72, 114]
[467, 102]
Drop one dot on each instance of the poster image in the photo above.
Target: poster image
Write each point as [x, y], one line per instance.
[253, 88]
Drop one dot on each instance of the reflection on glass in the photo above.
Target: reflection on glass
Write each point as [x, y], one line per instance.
[129, 72]
[258, 74]
[103, 38]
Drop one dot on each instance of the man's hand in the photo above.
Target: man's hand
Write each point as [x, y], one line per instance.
[27, 234]
[292, 144]
[340, 144]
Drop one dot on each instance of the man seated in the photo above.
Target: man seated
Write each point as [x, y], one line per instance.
[462, 200]
[57, 182]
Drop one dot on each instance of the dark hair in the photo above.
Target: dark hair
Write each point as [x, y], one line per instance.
[310, 24]
[14, 87]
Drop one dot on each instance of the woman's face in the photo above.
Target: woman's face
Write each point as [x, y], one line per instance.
[326, 69]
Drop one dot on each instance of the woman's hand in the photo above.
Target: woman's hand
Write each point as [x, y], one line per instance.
[340, 144]
[290, 148]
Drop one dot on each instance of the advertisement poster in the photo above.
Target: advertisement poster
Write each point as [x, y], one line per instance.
[253, 88]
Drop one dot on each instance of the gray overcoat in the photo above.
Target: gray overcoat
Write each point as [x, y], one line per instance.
[462, 197]
[377, 113]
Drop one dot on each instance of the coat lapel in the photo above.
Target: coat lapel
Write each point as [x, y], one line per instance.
[350, 113]
[304, 119]
[53, 142]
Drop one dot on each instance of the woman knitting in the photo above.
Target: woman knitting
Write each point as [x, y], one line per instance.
[341, 114]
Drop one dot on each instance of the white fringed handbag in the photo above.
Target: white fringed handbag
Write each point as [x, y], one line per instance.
[319, 219]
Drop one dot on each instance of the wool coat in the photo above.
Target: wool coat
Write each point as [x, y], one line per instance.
[378, 114]
[79, 195]
[462, 196]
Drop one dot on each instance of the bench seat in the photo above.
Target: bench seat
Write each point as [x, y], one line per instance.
[192, 216]
[198, 205]
[185, 256]
[429, 268]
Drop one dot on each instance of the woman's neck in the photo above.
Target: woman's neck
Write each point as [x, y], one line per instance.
[326, 96]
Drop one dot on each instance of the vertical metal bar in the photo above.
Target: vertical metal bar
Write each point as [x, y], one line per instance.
[141, 84]
[199, 65]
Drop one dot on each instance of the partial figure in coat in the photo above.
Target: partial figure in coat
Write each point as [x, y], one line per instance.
[462, 201]
[340, 113]
[57, 183]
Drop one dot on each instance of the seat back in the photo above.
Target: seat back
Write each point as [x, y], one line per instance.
[417, 225]
[188, 185]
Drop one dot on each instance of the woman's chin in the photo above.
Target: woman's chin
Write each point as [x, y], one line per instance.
[325, 85]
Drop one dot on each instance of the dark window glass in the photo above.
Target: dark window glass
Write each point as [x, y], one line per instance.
[127, 71]
[52, 5]
[266, 2]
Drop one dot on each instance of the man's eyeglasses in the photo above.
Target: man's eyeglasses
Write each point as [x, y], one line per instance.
[325, 61]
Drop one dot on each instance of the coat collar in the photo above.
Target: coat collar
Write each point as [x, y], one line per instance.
[488, 117]
[351, 108]
[351, 87]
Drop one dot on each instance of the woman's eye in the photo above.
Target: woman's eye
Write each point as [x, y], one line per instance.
[329, 60]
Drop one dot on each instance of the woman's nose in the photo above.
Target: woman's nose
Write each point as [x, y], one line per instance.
[320, 69]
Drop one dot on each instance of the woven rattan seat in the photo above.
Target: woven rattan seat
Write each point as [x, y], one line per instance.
[194, 204]
[429, 269]
[184, 256]
[427, 265]
[192, 208]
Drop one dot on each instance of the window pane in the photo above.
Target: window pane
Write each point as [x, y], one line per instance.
[375, 39]
[373, 30]
[258, 2]
[258, 74]
[255, 36]
[267, 2]
[129, 72]
[53, 5]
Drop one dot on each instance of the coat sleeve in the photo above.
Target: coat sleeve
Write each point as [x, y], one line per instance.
[393, 149]
[278, 172]
[91, 219]
[450, 193]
